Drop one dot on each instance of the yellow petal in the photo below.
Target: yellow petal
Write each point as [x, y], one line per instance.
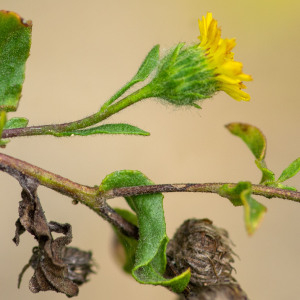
[227, 79]
[220, 59]
[236, 93]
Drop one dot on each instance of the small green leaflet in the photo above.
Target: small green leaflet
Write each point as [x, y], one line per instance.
[253, 210]
[240, 194]
[256, 142]
[16, 123]
[119, 128]
[148, 65]
[234, 193]
[290, 171]
[285, 187]
[15, 41]
[150, 257]
[268, 177]
[146, 68]
[252, 136]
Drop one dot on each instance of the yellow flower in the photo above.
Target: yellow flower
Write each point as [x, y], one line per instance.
[228, 72]
[187, 74]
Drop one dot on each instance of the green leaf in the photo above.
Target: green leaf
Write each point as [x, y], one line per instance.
[150, 256]
[241, 195]
[290, 171]
[256, 142]
[148, 65]
[286, 187]
[253, 210]
[106, 129]
[234, 193]
[129, 244]
[252, 136]
[16, 123]
[268, 176]
[15, 40]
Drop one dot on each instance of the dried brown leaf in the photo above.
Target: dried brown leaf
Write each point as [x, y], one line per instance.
[50, 271]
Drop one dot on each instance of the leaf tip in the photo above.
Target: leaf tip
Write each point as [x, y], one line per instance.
[24, 22]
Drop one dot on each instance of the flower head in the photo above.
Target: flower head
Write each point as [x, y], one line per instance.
[191, 73]
[183, 76]
[228, 72]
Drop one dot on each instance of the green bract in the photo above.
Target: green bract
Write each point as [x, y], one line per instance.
[183, 76]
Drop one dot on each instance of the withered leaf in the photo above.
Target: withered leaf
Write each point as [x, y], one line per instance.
[51, 272]
[31, 215]
[79, 264]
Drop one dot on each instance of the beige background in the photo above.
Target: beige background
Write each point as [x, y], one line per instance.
[82, 52]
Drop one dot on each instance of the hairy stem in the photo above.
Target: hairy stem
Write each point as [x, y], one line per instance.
[261, 190]
[86, 195]
[56, 129]
[96, 200]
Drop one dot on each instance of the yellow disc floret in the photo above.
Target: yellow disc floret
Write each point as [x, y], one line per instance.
[228, 72]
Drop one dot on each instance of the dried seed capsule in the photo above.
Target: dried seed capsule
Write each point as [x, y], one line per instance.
[205, 249]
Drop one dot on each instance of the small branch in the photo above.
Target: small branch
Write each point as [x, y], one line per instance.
[86, 195]
[56, 129]
[96, 200]
[261, 190]
[48, 179]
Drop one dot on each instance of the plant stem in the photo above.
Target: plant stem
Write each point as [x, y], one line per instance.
[56, 129]
[261, 190]
[86, 195]
[96, 200]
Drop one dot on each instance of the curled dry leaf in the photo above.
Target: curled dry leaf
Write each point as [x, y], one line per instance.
[205, 249]
[80, 264]
[56, 267]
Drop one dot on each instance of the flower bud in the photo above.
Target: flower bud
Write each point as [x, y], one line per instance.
[184, 77]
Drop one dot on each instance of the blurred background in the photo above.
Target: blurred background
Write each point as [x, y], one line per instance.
[82, 52]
